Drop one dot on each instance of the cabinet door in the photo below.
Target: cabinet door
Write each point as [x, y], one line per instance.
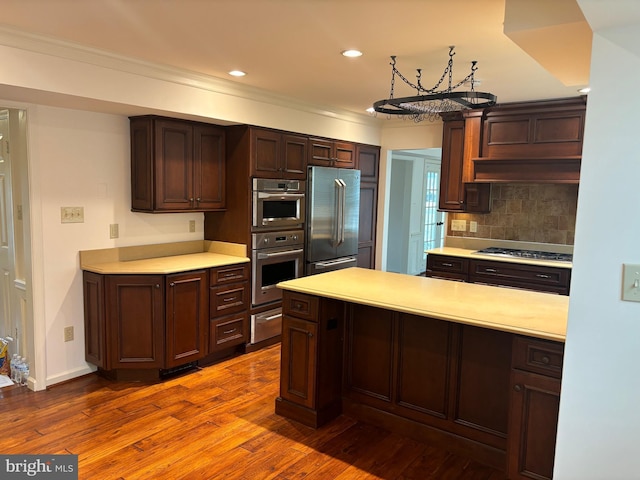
[298, 369]
[344, 155]
[533, 423]
[186, 317]
[135, 319]
[174, 165]
[265, 153]
[320, 152]
[294, 157]
[208, 167]
[451, 186]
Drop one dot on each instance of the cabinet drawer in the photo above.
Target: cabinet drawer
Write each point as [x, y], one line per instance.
[229, 274]
[228, 331]
[518, 275]
[228, 299]
[301, 306]
[538, 356]
[442, 266]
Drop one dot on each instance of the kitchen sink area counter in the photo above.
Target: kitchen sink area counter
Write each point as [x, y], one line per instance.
[163, 258]
[524, 312]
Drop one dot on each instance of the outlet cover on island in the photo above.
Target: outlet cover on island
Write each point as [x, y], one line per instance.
[459, 225]
[192, 226]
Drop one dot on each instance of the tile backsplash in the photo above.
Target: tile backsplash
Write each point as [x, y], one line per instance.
[544, 213]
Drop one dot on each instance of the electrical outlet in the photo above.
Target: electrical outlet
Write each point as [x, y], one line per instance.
[68, 334]
[72, 214]
[630, 282]
[114, 231]
[459, 225]
[473, 226]
[192, 226]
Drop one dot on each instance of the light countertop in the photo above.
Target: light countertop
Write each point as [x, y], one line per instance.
[466, 253]
[163, 258]
[536, 314]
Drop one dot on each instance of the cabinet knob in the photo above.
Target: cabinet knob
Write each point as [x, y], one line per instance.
[198, 199]
[157, 285]
[310, 334]
[172, 284]
[545, 360]
[517, 388]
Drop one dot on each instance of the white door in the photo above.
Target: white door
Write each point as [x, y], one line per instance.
[433, 219]
[8, 325]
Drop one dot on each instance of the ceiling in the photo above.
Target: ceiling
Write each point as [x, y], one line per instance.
[292, 47]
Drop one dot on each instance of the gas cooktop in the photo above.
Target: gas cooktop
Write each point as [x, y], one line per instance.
[531, 254]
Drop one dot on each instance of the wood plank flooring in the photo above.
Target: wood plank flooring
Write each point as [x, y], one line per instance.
[214, 423]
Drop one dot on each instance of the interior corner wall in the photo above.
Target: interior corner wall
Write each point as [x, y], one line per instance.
[599, 416]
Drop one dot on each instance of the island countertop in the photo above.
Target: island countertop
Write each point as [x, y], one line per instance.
[535, 314]
[163, 258]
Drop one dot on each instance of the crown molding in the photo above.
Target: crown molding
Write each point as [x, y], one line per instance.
[20, 39]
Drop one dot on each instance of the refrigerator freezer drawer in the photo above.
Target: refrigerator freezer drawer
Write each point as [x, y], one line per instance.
[329, 265]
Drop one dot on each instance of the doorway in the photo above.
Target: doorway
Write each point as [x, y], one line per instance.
[414, 222]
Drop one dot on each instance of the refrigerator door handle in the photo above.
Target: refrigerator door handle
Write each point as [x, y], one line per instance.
[342, 211]
[337, 223]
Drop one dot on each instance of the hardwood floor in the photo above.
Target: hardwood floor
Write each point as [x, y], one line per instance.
[214, 423]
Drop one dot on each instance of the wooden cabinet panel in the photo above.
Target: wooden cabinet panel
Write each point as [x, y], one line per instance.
[483, 375]
[533, 423]
[450, 268]
[229, 299]
[301, 306]
[275, 154]
[176, 165]
[186, 317]
[368, 162]
[229, 274]
[330, 153]
[369, 357]
[532, 277]
[298, 372]
[424, 353]
[451, 184]
[94, 319]
[135, 321]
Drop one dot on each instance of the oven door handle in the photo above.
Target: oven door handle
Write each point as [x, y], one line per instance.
[263, 256]
[282, 196]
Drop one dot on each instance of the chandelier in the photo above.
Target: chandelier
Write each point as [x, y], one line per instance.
[430, 102]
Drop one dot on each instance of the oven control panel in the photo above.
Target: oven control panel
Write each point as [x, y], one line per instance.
[277, 239]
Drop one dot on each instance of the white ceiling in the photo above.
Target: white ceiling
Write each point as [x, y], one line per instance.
[292, 47]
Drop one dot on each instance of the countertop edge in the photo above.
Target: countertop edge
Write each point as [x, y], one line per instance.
[464, 253]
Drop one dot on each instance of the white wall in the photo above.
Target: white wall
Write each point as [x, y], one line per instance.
[599, 425]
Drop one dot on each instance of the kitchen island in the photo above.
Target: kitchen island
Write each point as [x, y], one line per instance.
[472, 367]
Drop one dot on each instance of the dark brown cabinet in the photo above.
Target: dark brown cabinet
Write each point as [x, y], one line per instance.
[507, 274]
[460, 141]
[145, 322]
[535, 401]
[331, 153]
[186, 334]
[275, 154]
[176, 165]
[229, 301]
[368, 162]
[311, 366]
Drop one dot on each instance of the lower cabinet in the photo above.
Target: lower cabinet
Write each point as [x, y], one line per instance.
[139, 326]
[535, 401]
[489, 394]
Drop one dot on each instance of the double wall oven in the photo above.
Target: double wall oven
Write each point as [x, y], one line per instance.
[277, 250]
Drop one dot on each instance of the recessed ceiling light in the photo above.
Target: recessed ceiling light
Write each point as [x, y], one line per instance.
[352, 53]
[237, 73]
[584, 90]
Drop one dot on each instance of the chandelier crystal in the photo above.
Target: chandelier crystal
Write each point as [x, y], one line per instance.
[429, 103]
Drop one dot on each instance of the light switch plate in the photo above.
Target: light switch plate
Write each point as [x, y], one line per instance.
[72, 214]
[630, 282]
[114, 230]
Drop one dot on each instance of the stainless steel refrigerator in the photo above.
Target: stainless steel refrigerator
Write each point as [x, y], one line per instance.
[333, 210]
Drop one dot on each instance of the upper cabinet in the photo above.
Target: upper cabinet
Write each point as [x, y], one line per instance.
[368, 157]
[331, 153]
[176, 165]
[275, 154]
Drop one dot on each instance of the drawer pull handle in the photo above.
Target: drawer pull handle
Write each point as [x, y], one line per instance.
[229, 299]
[545, 360]
[491, 270]
[517, 388]
[542, 275]
[310, 334]
[227, 332]
[447, 264]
